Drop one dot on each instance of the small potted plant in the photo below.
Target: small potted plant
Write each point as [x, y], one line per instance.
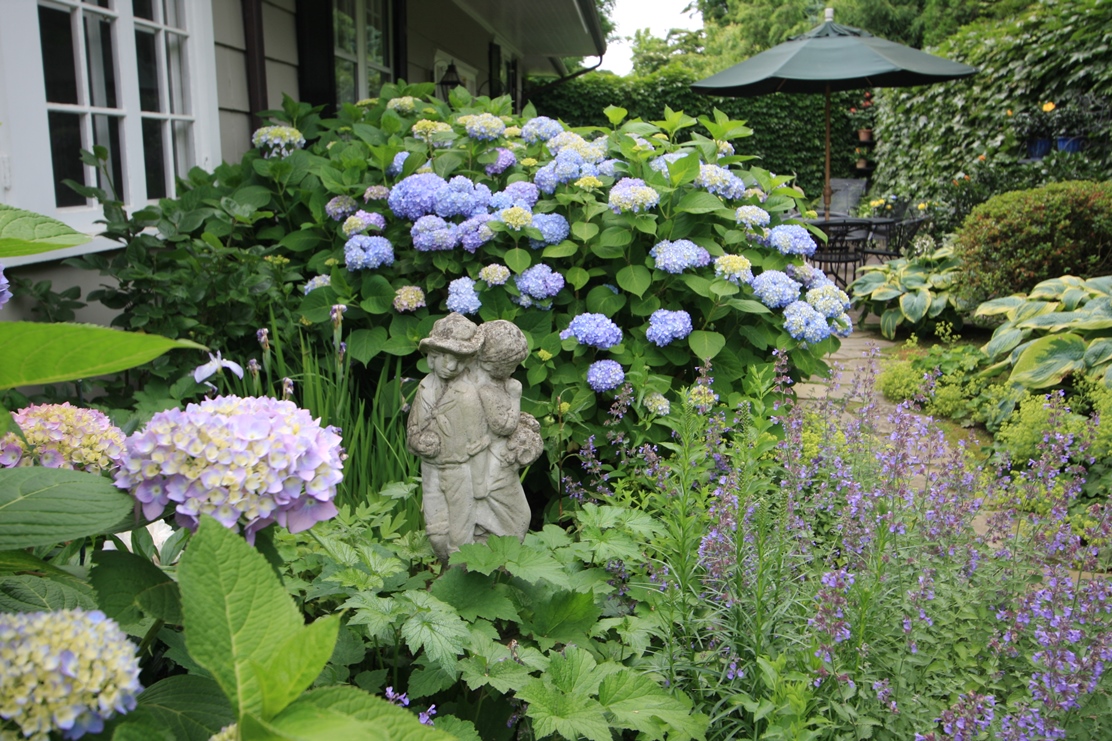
[1035, 129]
[1074, 121]
[863, 116]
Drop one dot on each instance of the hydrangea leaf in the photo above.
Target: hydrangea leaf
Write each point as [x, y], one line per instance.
[705, 344]
[699, 202]
[553, 711]
[23, 562]
[27, 233]
[38, 353]
[26, 593]
[191, 708]
[133, 730]
[584, 231]
[518, 260]
[635, 278]
[615, 236]
[473, 595]
[567, 248]
[128, 585]
[236, 611]
[638, 703]
[42, 506]
[378, 295]
[296, 663]
[344, 712]
[364, 344]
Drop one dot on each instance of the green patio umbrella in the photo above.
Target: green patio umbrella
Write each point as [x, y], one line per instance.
[827, 58]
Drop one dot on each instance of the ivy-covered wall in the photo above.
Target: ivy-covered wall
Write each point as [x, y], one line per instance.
[788, 130]
[931, 137]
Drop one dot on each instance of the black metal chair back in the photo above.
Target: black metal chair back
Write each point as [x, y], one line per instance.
[841, 254]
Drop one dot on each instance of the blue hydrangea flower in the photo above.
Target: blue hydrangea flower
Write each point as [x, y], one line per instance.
[666, 326]
[660, 164]
[415, 196]
[395, 167]
[605, 375]
[677, 256]
[841, 326]
[828, 300]
[519, 193]
[720, 181]
[462, 296]
[792, 239]
[554, 229]
[541, 128]
[751, 216]
[506, 159]
[538, 284]
[65, 671]
[5, 293]
[595, 330]
[809, 276]
[340, 207]
[775, 289]
[545, 178]
[474, 232]
[735, 268]
[483, 127]
[631, 194]
[495, 274]
[432, 233]
[361, 221]
[362, 252]
[317, 281]
[569, 141]
[277, 141]
[461, 197]
[606, 168]
[804, 323]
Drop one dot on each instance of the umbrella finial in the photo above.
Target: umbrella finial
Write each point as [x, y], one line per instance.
[829, 15]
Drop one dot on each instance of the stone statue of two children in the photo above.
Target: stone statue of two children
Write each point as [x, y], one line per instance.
[467, 426]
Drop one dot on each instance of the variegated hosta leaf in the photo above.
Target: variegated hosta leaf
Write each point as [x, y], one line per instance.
[1098, 352]
[1048, 360]
[1004, 340]
[999, 306]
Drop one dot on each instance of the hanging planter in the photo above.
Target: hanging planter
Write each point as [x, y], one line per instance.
[865, 135]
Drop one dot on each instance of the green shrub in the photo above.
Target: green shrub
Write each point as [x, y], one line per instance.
[1016, 240]
[900, 381]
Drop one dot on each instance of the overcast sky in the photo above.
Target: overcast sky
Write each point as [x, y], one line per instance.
[632, 15]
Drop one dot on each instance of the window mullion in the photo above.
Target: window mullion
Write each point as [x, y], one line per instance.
[131, 137]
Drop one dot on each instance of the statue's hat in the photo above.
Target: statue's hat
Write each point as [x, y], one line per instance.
[455, 334]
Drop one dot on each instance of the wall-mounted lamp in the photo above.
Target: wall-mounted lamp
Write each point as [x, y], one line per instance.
[450, 81]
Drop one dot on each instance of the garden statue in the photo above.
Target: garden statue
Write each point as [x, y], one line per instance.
[467, 426]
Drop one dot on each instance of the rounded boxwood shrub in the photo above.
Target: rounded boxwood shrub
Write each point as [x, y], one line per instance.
[1015, 240]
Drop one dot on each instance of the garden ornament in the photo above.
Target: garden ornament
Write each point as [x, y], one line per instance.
[467, 426]
[828, 58]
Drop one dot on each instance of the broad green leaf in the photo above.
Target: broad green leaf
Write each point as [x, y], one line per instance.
[378, 295]
[553, 711]
[705, 344]
[699, 202]
[938, 305]
[534, 565]
[28, 233]
[577, 277]
[614, 114]
[23, 562]
[132, 729]
[1098, 352]
[615, 236]
[635, 278]
[296, 663]
[518, 260]
[640, 704]
[399, 346]
[889, 321]
[236, 611]
[503, 674]
[1048, 360]
[602, 300]
[584, 231]
[364, 344]
[685, 170]
[42, 506]
[436, 628]
[576, 672]
[474, 595]
[26, 593]
[567, 248]
[346, 712]
[886, 293]
[428, 682]
[914, 305]
[748, 306]
[566, 617]
[36, 353]
[698, 284]
[1004, 340]
[128, 586]
[192, 708]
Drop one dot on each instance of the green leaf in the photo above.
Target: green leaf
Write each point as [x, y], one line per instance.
[685, 170]
[436, 628]
[26, 593]
[615, 236]
[584, 231]
[1098, 352]
[887, 293]
[296, 663]
[554, 712]
[128, 585]
[699, 202]
[602, 300]
[914, 305]
[889, 321]
[567, 248]
[576, 672]
[364, 344]
[378, 295]
[28, 233]
[192, 708]
[638, 703]
[566, 617]
[474, 595]
[705, 344]
[577, 277]
[614, 114]
[42, 506]
[37, 353]
[1004, 340]
[518, 260]
[301, 241]
[635, 278]
[1048, 360]
[23, 562]
[345, 712]
[236, 611]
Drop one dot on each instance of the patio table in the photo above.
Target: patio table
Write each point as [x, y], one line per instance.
[842, 253]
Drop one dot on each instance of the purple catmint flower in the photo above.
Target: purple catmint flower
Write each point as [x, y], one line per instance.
[595, 330]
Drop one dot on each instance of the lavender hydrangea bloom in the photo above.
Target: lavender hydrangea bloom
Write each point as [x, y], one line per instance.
[631, 194]
[245, 461]
[751, 216]
[462, 296]
[735, 268]
[64, 436]
[317, 281]
[804, 323]
[775, 289]
[538, 284]
[483, 127]
[569, 141]
[277, 141]
[667, 326]
[361, 221]
[554, 229]
[720, 181]
[541, 128]
[568, 165]
[408, 298]
[495, 274]
[792, 239]
[474, 232]
[66, 671]
[828, 300]
[519, 193]
[461, 197]
[606, 168]
[605, 375]
[340, 207]
[841, 326]
[505, 159]
[809, 276]
[660, 164]
[415, 196]
[595, 330]
[395, 167]
[675, 257]
[362, 252]
[376, 193]
[5, 293]
[432, 233]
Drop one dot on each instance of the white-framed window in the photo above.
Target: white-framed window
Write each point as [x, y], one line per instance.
[361, 29]
[137, 77]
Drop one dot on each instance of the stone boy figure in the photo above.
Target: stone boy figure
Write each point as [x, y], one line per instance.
[466, 425]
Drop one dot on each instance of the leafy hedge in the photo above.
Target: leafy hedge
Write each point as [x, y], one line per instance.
[790, 138]
[1016, 240]
[930, 136]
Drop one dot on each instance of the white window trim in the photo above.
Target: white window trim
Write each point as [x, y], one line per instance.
[362, 63]
[26, 173]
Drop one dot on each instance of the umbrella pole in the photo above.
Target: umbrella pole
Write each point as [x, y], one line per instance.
[827, 191]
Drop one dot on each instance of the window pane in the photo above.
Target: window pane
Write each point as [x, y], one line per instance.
[106, 133]
[65, 148]
[98, 3]
[343, 19]
[345, 81]
[175, 62]
[377, 34]
[172, 15]
[147, 60]
[143, 9]
[100, 60]
[154, 158]
[375, 80]
[58, 64]
[183, 148]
